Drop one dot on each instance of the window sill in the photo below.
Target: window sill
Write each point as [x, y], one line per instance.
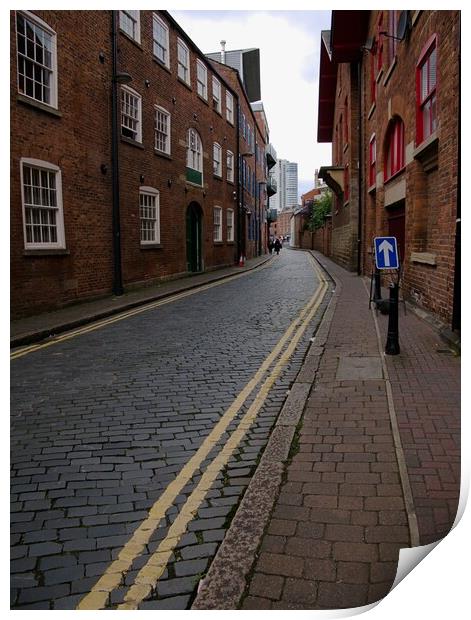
[194, 184]
[132, 142]
[179, 79]
[372, 109]
[129, 38]
[47, 252]
[425, 258]
[390, 71]
[162, 154]
[38, 105]
[230, 242]
[218, 177]
[205, 101]
[427, 152]
[151, 246]
[230, 122]
[380, 75]
[218, 112]
[394, 176]
[372, 189]
[218, 242]
[345, 147]
[346, 203]
[230, 182]
[161, 65]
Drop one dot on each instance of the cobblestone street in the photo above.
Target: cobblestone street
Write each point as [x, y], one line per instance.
[103, 423]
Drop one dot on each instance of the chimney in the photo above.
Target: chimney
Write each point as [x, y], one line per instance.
[223, 52]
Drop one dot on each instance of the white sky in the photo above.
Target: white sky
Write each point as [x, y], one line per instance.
[289, 43]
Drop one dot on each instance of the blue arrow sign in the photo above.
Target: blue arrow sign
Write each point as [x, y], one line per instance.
[386, 255]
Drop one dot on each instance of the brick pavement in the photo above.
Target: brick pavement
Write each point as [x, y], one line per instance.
[333, 536]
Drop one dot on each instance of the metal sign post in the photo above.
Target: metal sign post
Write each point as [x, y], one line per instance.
[387, 257]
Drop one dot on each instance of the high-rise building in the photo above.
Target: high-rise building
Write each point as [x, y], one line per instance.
[286, 176]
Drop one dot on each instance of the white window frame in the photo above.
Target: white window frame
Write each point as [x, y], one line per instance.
[229, 107]
[135, 94]
[202, 84]
[135, 18]
[183, 70]
[194, 157]
[59, 244]
[156, 43]
[217, 102]
[40, 24]
[217, 224]
[230, 225]
[217, 159]
[152, 193]
[159, 110]
[230, 168]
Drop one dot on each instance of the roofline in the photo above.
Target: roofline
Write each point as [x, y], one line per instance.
[195, 48]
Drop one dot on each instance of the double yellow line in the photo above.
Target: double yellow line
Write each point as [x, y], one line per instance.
[148, 576]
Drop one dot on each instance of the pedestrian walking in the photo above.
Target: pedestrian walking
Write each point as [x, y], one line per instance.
[277, 246]
[270, 246]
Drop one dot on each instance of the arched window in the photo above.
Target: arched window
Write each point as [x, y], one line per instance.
[394, 160]
[194, 158]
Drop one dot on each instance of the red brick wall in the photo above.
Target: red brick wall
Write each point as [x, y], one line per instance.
[78, 140]
[430, 194]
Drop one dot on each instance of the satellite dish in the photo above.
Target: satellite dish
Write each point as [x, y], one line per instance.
[403, 25]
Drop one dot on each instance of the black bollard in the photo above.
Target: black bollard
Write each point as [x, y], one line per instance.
[392, 342]
[377, 280]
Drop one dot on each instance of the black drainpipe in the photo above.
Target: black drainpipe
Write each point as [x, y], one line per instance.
[238, 191]
[117, 272]
[360, 164]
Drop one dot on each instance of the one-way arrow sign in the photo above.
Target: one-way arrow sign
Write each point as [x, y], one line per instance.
[386, 255]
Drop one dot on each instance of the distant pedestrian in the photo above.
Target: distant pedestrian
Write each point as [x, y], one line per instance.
[277, 246]
[270, 246]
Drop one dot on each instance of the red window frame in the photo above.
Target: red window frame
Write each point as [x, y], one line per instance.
[426, 90]
[372, 167]
[392, 30]
[346, 183]
[394, 160]
[346, 120]
[380, 46]
[373, 73]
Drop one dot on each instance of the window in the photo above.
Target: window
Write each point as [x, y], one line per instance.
[372, 173]
[202, 79]
[394, 149]
[217, 220]
[229, 107]
[373, 74]
[244, 127]
[194, 158]
[160, 40]
[346, 183]
[131, 124]
[426, 81]
[346, 120]
[162, 130]
[392, 31]
[130, 24]
[380, 46]
[41, 193]
[230, 166]
[217, 159]
[149, 213]
[230, 225]
[183, 61]
[37, 59]
[217, 105]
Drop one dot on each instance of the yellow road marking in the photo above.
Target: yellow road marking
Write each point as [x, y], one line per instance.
[112, 577]
[153, 570]
[125, 315]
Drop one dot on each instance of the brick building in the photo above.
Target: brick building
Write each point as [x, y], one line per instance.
[389, 96]
[95, 210]
[252, 166]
